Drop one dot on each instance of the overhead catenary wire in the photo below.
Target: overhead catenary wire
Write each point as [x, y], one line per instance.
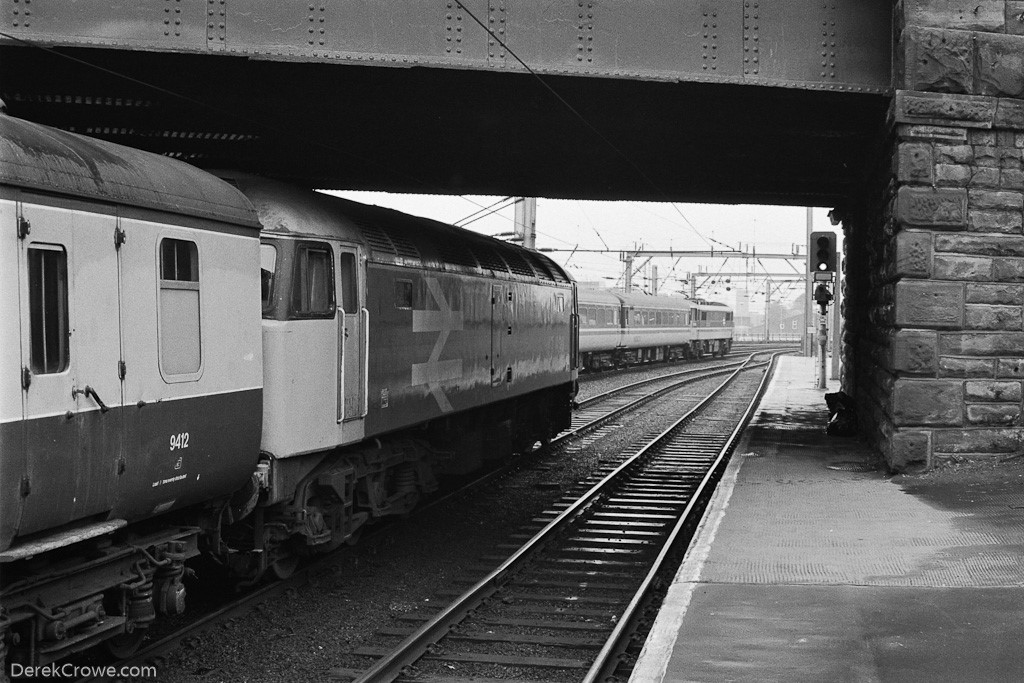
[485, 212]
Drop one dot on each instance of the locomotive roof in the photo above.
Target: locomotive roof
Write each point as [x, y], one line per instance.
[37, 157]
[392, 236]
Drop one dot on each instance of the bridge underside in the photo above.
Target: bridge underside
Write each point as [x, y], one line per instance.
[434, 130]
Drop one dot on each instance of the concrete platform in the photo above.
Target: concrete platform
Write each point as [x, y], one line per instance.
[811, 565]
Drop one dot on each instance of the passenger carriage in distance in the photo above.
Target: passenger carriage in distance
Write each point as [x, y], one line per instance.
[620, 329]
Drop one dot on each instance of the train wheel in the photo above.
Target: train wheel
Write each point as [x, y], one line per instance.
[125, 645]
[284, 567]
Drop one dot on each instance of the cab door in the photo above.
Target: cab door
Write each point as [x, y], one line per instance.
[500, 330]
[353, 321]
[70, 353]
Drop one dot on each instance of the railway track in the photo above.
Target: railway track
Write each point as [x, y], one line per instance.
[594, 412]
[739, 349]
[567, 603]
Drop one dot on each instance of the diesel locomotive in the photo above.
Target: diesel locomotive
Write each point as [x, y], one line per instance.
[235, 368]
[619, 329]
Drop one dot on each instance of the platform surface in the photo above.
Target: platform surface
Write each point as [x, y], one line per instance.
[813, 565]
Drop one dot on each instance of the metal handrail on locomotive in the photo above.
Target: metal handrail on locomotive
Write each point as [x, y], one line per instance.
[620, 329]
[235, 368]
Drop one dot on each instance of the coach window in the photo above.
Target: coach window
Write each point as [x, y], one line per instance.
[403, 294]
[48, 308]
[559, 303]
[313, 282]
[180, 336]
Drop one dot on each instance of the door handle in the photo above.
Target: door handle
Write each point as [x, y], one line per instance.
[89, 391]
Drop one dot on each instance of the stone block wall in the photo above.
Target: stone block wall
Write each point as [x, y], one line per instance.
[935, 262]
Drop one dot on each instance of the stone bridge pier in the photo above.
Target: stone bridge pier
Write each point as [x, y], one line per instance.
[935, 247]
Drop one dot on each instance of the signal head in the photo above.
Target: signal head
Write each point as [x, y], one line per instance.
[823, 257]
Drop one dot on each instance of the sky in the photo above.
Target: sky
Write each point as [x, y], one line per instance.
[572, 226]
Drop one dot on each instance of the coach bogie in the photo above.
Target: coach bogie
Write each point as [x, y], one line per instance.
[120, 587]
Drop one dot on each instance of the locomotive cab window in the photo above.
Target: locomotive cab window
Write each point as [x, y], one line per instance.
[349, 282]
[179, 330]
[48, 308]
[313, 282]
[268, 272]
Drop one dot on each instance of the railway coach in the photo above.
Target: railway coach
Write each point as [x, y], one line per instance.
[619, 329]
[130, 382]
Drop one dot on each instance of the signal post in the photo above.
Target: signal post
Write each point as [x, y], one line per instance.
[822, 266]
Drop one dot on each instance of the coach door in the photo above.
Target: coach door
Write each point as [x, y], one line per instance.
[70, 353]
[353, 321]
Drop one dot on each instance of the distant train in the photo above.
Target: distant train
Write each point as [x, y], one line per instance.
[240, 369]
[619, 329]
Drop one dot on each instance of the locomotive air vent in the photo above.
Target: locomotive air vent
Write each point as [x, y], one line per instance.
[516, 263]
[404, 247]
[377, 239]
[455, 252]
[489, 258]
[541, 266]
[546, 265]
